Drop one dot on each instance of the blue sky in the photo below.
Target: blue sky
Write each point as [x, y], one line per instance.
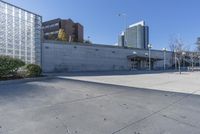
[166, 18]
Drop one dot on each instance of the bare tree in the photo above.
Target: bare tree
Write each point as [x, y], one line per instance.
[176, 44]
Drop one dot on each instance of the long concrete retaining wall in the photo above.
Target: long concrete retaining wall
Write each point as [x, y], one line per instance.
[70, 57]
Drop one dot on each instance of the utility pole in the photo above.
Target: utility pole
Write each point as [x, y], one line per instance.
[125, 26]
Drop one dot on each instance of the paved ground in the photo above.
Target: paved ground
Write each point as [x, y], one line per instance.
[188, 82]
[63, 106]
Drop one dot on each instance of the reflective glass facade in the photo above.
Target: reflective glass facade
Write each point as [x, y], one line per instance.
[20, 33]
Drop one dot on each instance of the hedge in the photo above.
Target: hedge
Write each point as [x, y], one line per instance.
[9, 66]
[33, 70]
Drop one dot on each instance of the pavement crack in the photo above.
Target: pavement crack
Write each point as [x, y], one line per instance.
[185, 123]
[154, 113]
[70, 101]
[87, 98]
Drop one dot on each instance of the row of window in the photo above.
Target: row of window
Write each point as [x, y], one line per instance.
[17, 46]
[19, 14]
[4, 6]
[17, 53]
[19, 20]
[50, 26]
[50, 33]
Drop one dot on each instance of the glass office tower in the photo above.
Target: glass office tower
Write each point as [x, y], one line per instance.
[20, 33]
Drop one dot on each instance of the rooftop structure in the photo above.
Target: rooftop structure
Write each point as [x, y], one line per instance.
[142, 23]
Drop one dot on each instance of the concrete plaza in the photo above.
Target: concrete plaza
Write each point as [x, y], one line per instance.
[187, 82]
[102, 104]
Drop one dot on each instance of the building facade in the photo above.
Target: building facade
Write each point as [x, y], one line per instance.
[74, 31]
[135, 36]
[75, 57]
[20, 33]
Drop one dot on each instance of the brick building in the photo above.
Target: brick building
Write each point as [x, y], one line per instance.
[74, 31]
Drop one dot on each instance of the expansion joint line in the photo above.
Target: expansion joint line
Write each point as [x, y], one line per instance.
[184, 123]
[154, 113]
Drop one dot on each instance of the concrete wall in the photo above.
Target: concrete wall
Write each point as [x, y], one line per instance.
[69, 57]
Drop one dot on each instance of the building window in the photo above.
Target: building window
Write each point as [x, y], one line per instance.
[57, 24]
[51, 26]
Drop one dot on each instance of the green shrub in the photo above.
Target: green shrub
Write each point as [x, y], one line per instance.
[33, 70]
[9, 66]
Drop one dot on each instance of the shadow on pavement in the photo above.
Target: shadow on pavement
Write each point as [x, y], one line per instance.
[36, 89]
[111, 73]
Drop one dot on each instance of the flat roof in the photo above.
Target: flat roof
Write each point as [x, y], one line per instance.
[142, 23]
[99, 45]
[51, 21]
[20, 8]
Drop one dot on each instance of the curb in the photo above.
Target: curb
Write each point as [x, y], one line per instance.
[25, 80]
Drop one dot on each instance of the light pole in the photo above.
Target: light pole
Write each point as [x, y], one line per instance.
[125, 26]
[164, 55]
[134, 54]
[149, 47]
[146, 54]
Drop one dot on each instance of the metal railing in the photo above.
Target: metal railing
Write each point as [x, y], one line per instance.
[193, 68]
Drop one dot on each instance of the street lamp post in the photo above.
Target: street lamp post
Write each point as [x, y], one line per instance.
[146, 54]
[125, 26]
[149, 46]
[134, 54]
[164, 55]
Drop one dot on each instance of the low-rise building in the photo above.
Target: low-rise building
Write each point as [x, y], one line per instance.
[70, 57]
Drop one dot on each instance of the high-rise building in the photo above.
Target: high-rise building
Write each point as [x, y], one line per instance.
[121, 41]
[20, 33]
[74, 31]
[135, 36]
